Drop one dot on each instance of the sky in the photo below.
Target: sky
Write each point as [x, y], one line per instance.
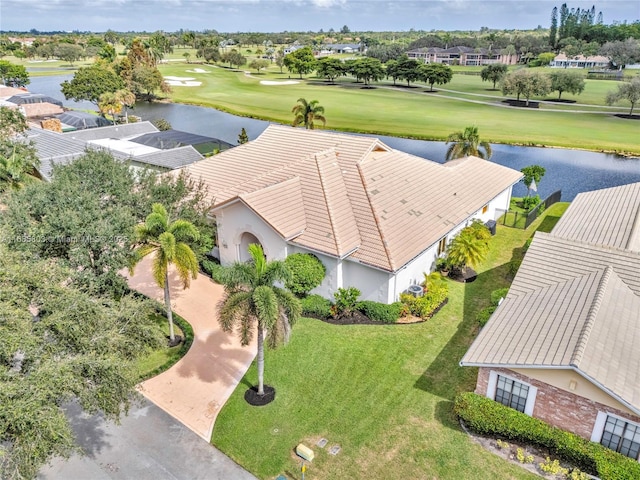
[293, 15]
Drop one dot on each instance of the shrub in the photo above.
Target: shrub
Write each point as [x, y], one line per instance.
[496, 295]
[523, 457]
[213, 269]
[435, 295]
[380, 312]
[307, 272]
[513, 266]
[529, 203]
[346, 301]
[483, 316]
[553, 467]
[487, 417]
[316, 306]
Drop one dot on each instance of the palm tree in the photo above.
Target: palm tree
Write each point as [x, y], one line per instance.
[467, 143]
[306, 112]
[470, 246]
[108, 103]
[252, 298]
[167, 241]
[18, 162]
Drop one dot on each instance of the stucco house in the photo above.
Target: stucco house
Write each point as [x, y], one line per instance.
[580, 61]
[376, 217]
[563, 345]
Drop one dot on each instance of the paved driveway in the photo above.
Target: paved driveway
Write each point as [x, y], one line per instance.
[148, 445]
[195, 389]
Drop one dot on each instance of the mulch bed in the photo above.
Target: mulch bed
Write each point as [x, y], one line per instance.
[627, 116]
[559, 100]
[467, 275]
[521, 103]
[176, 341]
[252, 398]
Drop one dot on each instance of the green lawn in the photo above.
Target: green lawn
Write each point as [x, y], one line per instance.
[410, 112]
[383, 393]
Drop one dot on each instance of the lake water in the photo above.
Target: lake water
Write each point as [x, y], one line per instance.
[572, 171]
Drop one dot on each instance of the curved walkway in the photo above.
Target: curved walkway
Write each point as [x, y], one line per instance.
[194, 390]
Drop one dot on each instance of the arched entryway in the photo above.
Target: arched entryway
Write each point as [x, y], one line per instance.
[246, 240]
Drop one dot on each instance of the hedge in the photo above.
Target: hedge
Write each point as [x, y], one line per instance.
[486, 417]
[381, 312]
[316, 306]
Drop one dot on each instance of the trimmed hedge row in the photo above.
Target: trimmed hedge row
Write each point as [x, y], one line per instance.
[316, 306]
[484, 416]
[380, 312]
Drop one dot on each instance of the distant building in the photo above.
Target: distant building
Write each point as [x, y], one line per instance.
[463, 56]
[580, 61]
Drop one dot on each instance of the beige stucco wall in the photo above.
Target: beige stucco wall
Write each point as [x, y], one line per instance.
[563, 378]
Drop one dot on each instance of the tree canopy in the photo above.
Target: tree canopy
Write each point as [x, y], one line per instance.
[436, 73]
[306, 113]
[493, 73]
[300, 61]
[526, 83]
[566, 81]
[532, 173]
[629, 91]
[13, 75]
[467, 143]
[89, 83]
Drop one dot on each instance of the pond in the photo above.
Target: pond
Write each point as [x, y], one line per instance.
[572, 171]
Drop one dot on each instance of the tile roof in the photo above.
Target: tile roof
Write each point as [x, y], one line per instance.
[361, 198]
[605, 217]
[575, 301]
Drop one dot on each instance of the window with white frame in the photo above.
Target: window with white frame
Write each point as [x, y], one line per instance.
[621, 436]
[511, 393]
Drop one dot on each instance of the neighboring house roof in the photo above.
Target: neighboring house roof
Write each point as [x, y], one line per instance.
[28, 98]
[6, 92]
[114, 131]
[170, 159]
[605, 217]
[175, 138]
[58, 148]
[574, 303]
[82, 120]
[360, 198]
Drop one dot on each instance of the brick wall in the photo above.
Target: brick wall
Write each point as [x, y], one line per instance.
[558, 407]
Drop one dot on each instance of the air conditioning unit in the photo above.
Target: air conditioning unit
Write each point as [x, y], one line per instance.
[415, 290]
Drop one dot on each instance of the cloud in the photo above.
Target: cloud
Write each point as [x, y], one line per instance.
[329, 3]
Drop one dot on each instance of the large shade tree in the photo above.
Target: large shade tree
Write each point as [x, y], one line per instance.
[467, 143]
[306, 113]
[89, 83]
[493, 73]
[436, 73]
[526, 83]
[254, 304]
[566, 81]
[629, 91]
[168, 242]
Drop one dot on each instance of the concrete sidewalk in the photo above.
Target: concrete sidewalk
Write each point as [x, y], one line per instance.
[195, 389]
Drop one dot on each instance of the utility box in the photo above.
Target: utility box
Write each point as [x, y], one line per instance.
[305, 452]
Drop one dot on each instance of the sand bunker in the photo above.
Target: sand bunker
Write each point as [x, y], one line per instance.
[271, 82]
[198, 70]
[182, 81]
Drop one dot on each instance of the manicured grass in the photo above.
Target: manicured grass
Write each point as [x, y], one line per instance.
[407, 112]
[159, 360]
[383, 393]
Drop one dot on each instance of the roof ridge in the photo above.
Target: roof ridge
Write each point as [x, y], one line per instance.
[324, 195]
[589, 244]
[634, 236]
[375, 217]
[583, 338]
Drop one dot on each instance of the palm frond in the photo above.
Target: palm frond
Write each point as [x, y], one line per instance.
[289, 303]
[159, 268]
[168, 245]
[138, 254]
[186, 263]
[184, 231]
[235, 310]
[266, 305]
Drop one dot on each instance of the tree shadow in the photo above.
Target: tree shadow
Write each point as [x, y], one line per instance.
[548, 223]
[88, 430]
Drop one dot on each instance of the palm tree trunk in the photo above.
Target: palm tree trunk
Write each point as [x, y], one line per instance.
[260, 359]
[167, 304]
